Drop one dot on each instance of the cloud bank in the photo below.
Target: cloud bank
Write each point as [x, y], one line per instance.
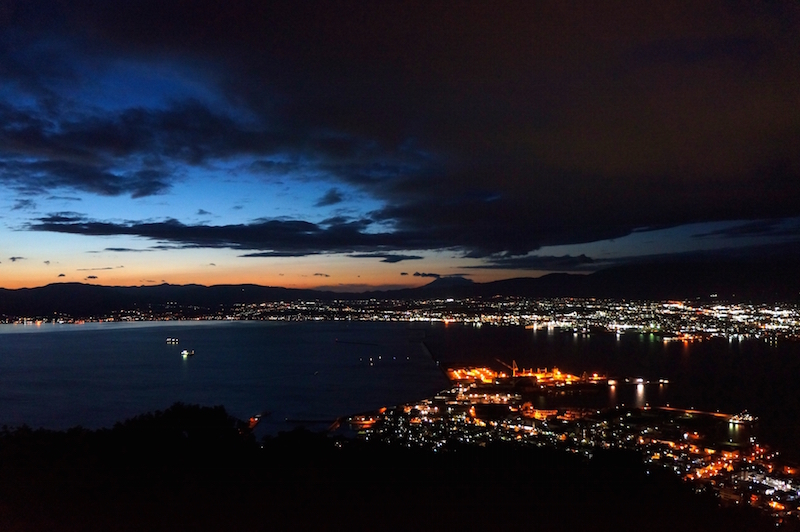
[489, 130]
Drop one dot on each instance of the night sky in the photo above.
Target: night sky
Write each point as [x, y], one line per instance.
[382, 144]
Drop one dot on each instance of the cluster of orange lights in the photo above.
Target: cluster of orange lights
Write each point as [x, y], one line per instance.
[484, 375]
[542, 376]
[775, 505]
[545, 376]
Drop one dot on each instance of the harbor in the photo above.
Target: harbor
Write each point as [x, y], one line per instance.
[716, 453]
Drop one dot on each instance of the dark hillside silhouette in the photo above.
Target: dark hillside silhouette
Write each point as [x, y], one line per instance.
[195, 468]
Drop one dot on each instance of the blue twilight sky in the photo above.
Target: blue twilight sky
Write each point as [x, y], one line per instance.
[360, 145]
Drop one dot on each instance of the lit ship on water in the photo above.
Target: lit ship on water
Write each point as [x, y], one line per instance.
[743, 418]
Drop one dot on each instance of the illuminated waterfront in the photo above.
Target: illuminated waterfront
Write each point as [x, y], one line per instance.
[670, 321]
[715, 452]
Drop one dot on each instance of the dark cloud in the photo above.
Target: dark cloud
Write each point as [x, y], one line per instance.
[23, 204]
[202, 212]
[39, 177]
[277, 238]
[490, 129]
[131, 152]
[540, 263]
[757, 228]
[403, 273]
[774, 252]
[64, 217]
[386, 257]
[331, 197]
[63, 198]
[127, 250]
[279, 254]
[211, 264]
[321, 275]
[338, 220]
[47, 262]
[61, 275]
[418, 274]
[94, 269]
[15, 259]
[273, 168]
[91, 277]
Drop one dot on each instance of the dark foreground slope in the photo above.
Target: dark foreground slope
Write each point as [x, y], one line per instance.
[190, 468]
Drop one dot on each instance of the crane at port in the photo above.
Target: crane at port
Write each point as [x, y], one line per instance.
[513, 367]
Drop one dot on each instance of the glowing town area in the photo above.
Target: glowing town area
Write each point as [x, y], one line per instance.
[683, 321]
[715, 452]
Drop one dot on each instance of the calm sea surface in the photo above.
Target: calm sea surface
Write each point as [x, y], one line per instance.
[59, 376]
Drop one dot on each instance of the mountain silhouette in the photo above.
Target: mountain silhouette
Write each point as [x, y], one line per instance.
[739, 280]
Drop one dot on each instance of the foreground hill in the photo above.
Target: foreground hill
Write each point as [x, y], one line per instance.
[728, 280]
[192, 468]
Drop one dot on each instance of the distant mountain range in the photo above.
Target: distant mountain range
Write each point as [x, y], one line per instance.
[726, 280]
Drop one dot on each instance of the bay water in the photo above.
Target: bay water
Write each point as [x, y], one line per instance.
[58, 376]
[309, 373]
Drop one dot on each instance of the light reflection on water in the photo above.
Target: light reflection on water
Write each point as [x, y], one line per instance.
[639, 402]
